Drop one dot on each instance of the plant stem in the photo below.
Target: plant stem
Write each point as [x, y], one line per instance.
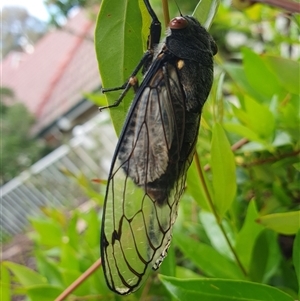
[166, 12]
[79, 280]
[215, 213]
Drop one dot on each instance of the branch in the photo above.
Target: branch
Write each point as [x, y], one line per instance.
[288, 5]
[79, 280]
[271, 159]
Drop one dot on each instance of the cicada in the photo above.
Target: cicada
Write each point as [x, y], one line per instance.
[154, 151]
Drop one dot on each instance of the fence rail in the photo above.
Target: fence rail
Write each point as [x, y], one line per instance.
[45, 184]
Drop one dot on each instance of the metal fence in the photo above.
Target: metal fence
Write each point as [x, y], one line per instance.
[45, 184]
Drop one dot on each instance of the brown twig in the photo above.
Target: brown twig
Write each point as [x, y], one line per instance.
[288, 5]
[291, 6]
[271, 159]
[234, 147]
[79, 280]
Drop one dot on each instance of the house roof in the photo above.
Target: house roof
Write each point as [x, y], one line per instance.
[52, 79]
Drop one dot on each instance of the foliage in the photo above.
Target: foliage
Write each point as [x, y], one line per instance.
[237, 234]
[59, 10]
[18, 149]
[19, 29]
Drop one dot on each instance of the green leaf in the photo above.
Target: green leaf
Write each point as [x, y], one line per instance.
[69, 276]
[50, 232]
[258, 74]
[256, 117]
[242, 131]
[91, 234]
[169, 265]
[237, 73]
[286, 72]
[43, 292]
[196, 186]
[215, 234]
[72, 232]
[49, 269]
[265, 257]
[96, 98]
[207, 259]
[223, 170]
[285, 223]
[184, 273]
[289, 115]
[296, 259]
[69, 257]
[221, 290]
[5, 283]
[247, 236]
[205, 11]
[297, 166]
[25, 275]
[119, 48]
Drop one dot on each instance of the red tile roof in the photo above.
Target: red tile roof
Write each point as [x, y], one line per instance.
[52, 79]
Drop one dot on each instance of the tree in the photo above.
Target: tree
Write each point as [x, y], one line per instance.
[18, 149]
[59, 9]
[19, 29]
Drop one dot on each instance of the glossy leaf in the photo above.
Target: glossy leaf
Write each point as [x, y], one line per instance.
[185, 273]
[49, 231]
[72, 233]
[49, 269]
[258, 75]
[215, 235]
[169, 266]
[285, 71]
[119, 48]
[196, 187]
[91, 233]
[237, 73]
[69, 276]
[98, 99]
[296, 259]
[25, 275]
[69, 257]
[221, 290]
[243, 131]
[43, 292]
[207, 259]
[284, 223]
[5, 283]
[256, 117]
[247, 235]
[205, 11]
[223, 170]
[265, 257]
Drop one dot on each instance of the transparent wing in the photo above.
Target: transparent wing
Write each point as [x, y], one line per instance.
[146, 181]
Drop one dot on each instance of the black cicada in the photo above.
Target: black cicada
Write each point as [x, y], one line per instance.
[155, 150]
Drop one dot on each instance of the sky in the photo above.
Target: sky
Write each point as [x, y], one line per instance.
[35, 7]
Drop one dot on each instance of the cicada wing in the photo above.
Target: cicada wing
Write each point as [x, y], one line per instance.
[145, 183]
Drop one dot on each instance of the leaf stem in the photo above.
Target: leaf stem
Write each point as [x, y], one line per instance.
[166, 12]
[215, 213]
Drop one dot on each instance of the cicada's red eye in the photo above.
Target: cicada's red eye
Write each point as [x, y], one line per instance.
[178, 23]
